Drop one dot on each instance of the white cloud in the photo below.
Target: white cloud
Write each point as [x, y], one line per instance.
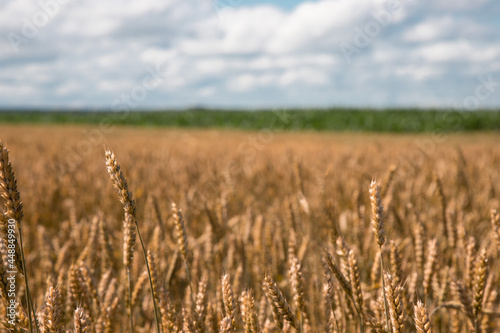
[303, 75]
[311, 22]
[247, 82]
[459, 4]
[89, 53]
[418, 73]
[458, 50]
[73, 86]
[9, 91]
[207, 91]
[444, 27]
[431, 29]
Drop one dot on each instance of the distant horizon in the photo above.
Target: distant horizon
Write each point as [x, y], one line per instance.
[382, 120]
[242, 109]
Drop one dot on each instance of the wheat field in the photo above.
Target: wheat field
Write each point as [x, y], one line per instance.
[140, 230]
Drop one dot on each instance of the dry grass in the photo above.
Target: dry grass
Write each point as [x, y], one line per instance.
[251, 232]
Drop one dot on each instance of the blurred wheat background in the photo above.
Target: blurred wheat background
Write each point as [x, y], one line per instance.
[255, 232]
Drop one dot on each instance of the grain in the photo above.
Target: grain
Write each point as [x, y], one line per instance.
[279, 303]
[422, 323]
[294, 237]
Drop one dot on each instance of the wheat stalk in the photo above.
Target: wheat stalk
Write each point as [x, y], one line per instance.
[125, 196]
[377, 221]
[128, 254]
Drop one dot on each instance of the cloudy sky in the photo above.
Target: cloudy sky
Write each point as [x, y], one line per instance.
[249, 53]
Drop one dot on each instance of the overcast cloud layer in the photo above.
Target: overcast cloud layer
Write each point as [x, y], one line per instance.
[236, 53]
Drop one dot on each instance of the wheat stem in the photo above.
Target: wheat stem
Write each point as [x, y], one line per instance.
[150, 279]
[120, 184]
[387, 323]
[130, 300]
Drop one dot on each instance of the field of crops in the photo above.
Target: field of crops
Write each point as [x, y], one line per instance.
[258, 231]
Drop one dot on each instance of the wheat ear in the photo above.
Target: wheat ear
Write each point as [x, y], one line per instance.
[229, 302]
[395, 299]
[377, 222]
[53, 314]
[279, 303]
[201, 306]
[298, 289]
[422, 323]
[81, 321]
[419, 235]
[167, 312]
[377, 219]
[430, 265]
[388, 181]
[125, 196]
[396, 263]
[13, 209]
[495, 223]
[249, 313]
[479, 286]
[332, 266]
[12, 198]
[356, 287]
[464, 300]
[181, 234]
[4, 283]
